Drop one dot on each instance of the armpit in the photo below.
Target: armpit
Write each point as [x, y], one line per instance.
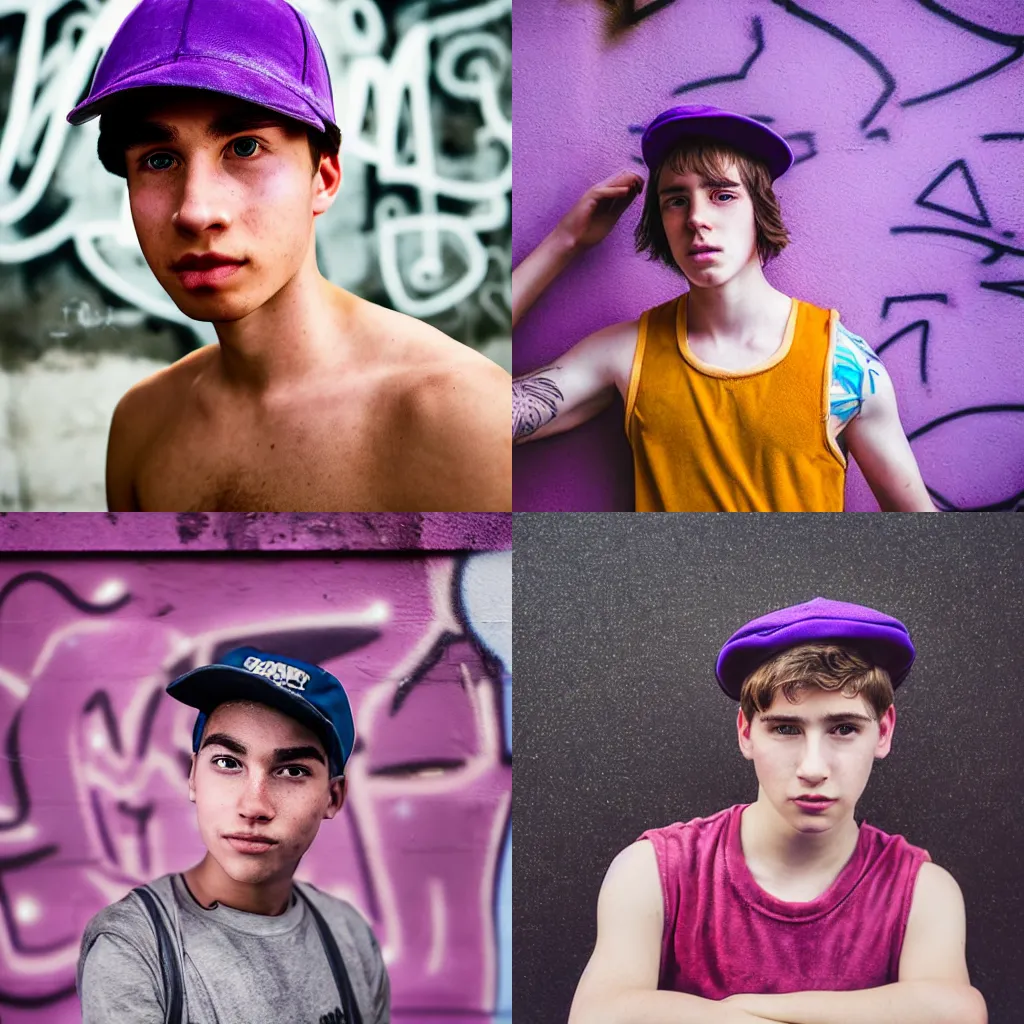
[855, 369]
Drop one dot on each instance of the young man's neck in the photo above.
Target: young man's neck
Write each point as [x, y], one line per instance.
[736, 311]
[209, 884]
[774, 850]
[291, 338]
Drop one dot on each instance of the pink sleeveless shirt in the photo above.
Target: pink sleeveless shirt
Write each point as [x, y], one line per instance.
[725, 935]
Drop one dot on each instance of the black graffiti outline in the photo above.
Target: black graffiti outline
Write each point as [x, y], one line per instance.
[891, 300]
[758, 37]
[1006, 38]
[922, 348]
[1014, 288]
[1003, 137]
[999, 250]
[956, 165]
[812, 148]
[974, 410]
[876, 65]
[64, 590]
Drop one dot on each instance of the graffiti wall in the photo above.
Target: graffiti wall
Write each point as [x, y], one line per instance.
[422, 224]
[904, 205]
[93, 793]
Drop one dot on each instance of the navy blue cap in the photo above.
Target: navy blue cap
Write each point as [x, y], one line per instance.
[305, 692]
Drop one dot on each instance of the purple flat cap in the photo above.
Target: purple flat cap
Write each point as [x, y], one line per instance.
[671, 127]
[262, 51]
[880, 637]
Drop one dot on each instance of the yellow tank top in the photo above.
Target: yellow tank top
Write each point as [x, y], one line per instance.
[706, 439]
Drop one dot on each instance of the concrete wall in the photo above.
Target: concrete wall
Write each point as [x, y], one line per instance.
[422, 223]
[93, 795]
[905, 206]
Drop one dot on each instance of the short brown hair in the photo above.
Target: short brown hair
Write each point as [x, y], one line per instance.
[708, 158]
[120, 118]
[816, 666]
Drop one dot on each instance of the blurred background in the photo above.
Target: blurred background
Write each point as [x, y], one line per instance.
[422, 89]
[905, 206]
[412, 613]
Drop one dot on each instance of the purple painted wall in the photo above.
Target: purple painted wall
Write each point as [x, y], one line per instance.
[255, 531]
[909, 182]
[93, 798]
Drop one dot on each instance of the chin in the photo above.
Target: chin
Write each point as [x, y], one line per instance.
[214, 308]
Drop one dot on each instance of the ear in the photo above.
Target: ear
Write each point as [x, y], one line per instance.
[326, 183]
[192, 780]
[338, 789]
[743, 734]
[886, 726]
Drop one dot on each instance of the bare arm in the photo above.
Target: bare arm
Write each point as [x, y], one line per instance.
[877, 441]
[575, 387]
[933, 986]
[620, 983]
[592, 216]
[122, 451]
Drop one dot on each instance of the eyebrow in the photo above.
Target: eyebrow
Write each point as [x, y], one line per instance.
[281, 754]
[833, 719]
[706, 183]
[147, 132]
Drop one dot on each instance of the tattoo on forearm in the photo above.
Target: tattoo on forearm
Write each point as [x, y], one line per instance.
[535, 401]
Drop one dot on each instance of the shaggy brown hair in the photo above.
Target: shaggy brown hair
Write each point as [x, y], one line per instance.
[119, 120]
[709, 158]
[816, 666]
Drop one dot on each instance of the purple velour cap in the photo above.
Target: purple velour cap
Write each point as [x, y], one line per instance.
[885, 641]
[671, 127]
[262, 51]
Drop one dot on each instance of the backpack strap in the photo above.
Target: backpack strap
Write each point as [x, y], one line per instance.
[348, 998]
[173, 989]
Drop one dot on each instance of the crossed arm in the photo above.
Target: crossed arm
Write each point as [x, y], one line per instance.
[620, 983]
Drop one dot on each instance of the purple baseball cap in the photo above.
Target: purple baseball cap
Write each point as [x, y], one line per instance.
[305, 692]
[262, 51]
[671, 127]
[881, 638]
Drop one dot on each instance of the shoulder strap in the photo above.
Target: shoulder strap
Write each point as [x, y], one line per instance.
[348, 999]
[168, 961]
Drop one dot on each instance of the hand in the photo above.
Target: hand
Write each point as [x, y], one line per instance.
[598, 210]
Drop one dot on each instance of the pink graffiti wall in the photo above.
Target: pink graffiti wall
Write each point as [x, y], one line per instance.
[905, 206]
[93, 795]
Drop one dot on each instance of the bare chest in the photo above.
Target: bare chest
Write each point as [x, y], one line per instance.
[295, 461]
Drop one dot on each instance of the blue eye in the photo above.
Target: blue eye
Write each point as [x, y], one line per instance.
[239, 144]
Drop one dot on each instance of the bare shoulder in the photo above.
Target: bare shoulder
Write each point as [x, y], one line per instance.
[936, 891]
[148, 400]
[633, 876]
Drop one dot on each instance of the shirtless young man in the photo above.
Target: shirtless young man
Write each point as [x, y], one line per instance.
[786, 909]
[314, 399]
[738, 398]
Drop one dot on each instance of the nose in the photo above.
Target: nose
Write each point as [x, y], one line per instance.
[813, 767]
[254, 800]
[697, 219]
[204, 200]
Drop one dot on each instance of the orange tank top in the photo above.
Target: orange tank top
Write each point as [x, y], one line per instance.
[706, 439]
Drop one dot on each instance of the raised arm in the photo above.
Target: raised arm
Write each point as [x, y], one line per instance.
[592, 216]
[620, 983]
[933, 986]
[575, 387]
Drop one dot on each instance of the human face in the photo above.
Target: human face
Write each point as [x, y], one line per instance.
[703, 214]
[823, 747]
[261, 774]
[226, 187]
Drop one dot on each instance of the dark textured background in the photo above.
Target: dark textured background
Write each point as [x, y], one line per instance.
[619, 725]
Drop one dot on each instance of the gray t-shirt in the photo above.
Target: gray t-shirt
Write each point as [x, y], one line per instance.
[239, 968]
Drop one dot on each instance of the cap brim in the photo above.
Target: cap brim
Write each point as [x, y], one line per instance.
[209, 686]
[887, 646]
[221, 77]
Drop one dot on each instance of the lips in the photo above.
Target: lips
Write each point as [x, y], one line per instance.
[250, 843]
[206, 270]
[204, 261]
[814, 803]
[698, 249]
